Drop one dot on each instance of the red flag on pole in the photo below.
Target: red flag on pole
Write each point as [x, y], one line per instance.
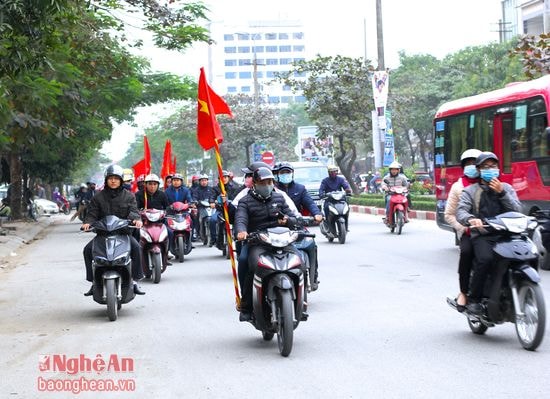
[209, 105]
[146, 155]
[173, 165]
[166, 161]
[139, 169]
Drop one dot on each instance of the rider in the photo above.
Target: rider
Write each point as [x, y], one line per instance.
[332, 183]
[488, 198]
[231, 190]
[152, 197]
[284, 178]
[177, 192]
[394, 178]
[470, 176]
[259, 209]
[203, 193]
[128, 177]
[80, 196]
[114, 200]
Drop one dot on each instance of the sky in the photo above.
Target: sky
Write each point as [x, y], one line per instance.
[436, 27]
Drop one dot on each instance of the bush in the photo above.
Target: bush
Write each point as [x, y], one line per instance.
[420, 202]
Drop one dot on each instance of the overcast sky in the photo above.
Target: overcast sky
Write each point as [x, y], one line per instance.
[437, 27]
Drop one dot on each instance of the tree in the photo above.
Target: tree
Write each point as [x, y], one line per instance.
[534, 54]
[339, 101]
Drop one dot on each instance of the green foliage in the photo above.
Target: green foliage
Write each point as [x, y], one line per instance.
[534, 54]
[420, 203]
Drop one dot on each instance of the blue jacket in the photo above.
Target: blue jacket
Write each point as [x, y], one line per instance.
[181, 194]
[333, 184]
[301, 198]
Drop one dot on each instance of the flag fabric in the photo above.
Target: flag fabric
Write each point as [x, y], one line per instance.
[209, 105]
[146, 155]
[166, 161]
[139, 169]
[173, 167]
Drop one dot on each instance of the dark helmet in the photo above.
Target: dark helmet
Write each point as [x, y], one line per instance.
[285, 166]
[114, 170]
[263, 173]
[255, 165]
[485, 155]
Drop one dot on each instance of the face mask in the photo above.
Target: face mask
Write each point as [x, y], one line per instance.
[285, 178]
[471, 171]
[264, 191]
[489, 174]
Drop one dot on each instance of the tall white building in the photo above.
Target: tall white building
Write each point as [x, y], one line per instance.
[244, 59]
[525, 17]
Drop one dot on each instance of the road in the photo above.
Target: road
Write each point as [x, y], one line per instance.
[379, 327]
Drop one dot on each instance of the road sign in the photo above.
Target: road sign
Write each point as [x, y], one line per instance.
[268, 158]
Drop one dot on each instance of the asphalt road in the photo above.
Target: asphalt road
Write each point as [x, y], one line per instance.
[379, 327]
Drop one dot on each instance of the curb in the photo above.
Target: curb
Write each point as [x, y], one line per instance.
[19, 234]
[372, 210]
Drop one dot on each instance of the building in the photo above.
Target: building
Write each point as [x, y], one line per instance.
[524, 17]
[244, 59]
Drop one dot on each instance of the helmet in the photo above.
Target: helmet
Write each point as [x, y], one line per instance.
[225, 173]
[263, 173]
[114, 170]
[83, 186]
[127, 174]
[470, 153]
[285, 166]
[177, 176]
[203, 176]
[255, 165]
[332, 168]
[485, 155]
[152, 177]
[394, 165]
[230, 175]
[194, 177]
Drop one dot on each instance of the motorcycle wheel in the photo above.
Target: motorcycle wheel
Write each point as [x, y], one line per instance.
[530, 328]
[156, 271]
[267, 336]
[342, 231]
[399, 221]
[66, 211]
[181, 249]
[112, 308]
[477, 327]
[285, 333]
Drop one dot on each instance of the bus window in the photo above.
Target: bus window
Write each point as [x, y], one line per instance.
[506, 134]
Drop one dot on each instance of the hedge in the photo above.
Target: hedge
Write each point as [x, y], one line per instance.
[420, 202]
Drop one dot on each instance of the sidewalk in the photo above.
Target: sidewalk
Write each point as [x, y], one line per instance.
[18, 234]
[371, 210]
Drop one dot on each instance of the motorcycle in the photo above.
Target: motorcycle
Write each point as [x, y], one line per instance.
[221, 238]
[205, 213]
[541, 238]
[335, 223]
[112, 265]
[399, 209]
[179, 221]
[154, 243]
[64, 205]
[83, 209]
[278, 289]
[304, 241]
[512, 291]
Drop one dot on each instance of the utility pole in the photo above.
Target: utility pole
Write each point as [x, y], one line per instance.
[379, 35]
[256, 84]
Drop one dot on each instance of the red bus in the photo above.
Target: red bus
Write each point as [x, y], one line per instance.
[513, 123]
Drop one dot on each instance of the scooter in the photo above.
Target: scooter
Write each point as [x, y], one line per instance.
[335, 223]
[278, 288]
[112, 265]
[154, 243]
[512, 291]
[304, 242]
[541, 238]
[221, 238]
[64, 205]
[399, 209]
[205, 213]
[179, 221]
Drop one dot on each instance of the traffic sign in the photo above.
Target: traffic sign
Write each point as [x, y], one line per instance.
[268, 158]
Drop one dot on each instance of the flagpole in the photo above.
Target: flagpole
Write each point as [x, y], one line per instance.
[227, 226]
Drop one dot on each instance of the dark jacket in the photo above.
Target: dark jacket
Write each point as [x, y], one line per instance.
[333, 184]
[157, 200]
[119, 202]
[181, 194]
[231, 189]
[301, 198]
[254, 213]
[203, 193]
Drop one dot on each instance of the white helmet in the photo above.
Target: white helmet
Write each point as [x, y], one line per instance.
[394, 165]
[470, 153]
[152, 177]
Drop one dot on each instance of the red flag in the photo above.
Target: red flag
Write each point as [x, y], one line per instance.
[209, 105]
[146, 155]
[139, 169]
[173, 165]
[166, 161]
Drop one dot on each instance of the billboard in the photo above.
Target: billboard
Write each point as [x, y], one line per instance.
[312, 148]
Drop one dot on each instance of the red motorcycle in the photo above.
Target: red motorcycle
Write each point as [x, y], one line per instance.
[399, 209]
[179, 221]
[64, 205]
[154, 243]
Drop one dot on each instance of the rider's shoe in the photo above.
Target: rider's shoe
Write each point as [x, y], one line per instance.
[90, 291]
[245, 315]
[137, 291]
[475, 308]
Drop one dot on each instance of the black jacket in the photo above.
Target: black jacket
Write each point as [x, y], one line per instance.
[118, 202]
[231, 189]
[255, 214]
[158, 200]
[203, 193]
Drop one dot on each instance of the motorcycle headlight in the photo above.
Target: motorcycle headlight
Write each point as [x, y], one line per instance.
[99, 261]
[515, 225]
[346, 208]
[333, 210]
[121, 260]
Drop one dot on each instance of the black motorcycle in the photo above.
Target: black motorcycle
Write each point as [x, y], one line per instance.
[112, 265]
[335, 224]
[305, 241]
[512, 291]
[278, 290]
[541, 237]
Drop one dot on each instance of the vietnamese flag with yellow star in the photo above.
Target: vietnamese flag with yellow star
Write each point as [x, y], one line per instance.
[209, 105]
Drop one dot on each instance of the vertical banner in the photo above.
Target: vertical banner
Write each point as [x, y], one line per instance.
[389, 147]
[380, 84]
[376, 141]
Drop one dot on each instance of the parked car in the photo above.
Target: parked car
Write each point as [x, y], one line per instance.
[426, 181]
[45, 207]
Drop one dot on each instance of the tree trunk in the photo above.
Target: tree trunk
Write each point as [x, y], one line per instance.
[17, 208]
